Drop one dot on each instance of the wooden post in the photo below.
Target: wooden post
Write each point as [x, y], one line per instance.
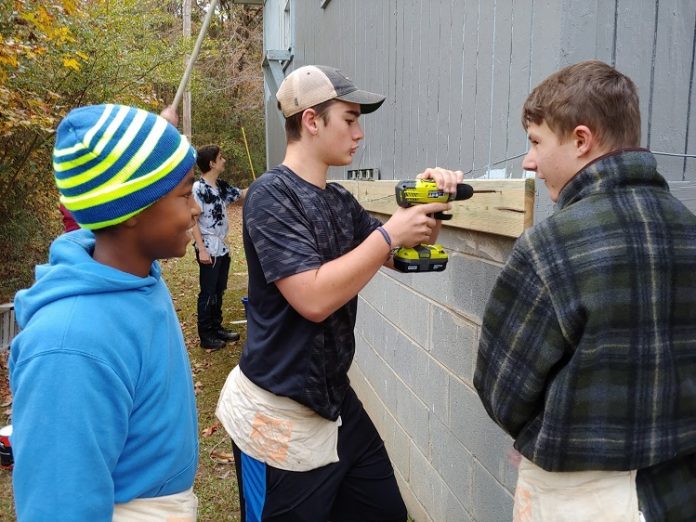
[186, 109]
[191, 59]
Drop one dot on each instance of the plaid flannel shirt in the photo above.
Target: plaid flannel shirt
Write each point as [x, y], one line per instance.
[587, 354]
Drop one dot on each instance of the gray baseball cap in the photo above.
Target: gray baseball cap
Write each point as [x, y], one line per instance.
[314, 84]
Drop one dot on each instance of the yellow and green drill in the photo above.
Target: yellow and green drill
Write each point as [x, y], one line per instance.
[425, 258]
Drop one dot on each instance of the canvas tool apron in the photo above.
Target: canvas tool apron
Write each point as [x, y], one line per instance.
[545, 496]
[180, 507]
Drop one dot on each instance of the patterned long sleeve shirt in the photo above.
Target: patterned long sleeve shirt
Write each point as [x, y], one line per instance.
[587, 354]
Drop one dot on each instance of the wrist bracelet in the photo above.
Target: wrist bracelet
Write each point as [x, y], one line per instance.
[386, 236]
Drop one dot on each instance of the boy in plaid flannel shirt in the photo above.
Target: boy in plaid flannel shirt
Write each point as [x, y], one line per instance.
[587, 351]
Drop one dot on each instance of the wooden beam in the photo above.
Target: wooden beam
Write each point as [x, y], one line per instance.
[506, 212]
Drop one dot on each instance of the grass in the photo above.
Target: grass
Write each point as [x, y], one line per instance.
[216, 483]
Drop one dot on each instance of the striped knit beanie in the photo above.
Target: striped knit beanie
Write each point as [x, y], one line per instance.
[112, 161]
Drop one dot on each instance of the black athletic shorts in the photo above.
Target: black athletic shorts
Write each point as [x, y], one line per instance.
[360, 487]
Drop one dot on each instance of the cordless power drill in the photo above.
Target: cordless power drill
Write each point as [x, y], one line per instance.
[425, 258]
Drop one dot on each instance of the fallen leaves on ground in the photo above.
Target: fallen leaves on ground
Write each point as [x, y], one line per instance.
[210, 430]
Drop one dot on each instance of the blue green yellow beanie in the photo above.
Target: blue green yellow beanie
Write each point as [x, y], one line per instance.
[112, 162]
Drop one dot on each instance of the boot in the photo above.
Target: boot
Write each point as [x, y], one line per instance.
[207, 331]
[221, 333]
[210, 341]
[227, 335]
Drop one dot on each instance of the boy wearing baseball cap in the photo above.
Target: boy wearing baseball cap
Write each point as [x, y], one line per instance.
[305, 449]
[104, 414]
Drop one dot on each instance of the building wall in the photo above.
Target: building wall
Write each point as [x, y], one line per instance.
[416, 346]
[456, 73]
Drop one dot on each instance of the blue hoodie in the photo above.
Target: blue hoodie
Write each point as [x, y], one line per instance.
[104, 409]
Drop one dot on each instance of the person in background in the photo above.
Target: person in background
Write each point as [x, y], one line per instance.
[588, 342]
[213, 195]
[305, 448]
[104, 412]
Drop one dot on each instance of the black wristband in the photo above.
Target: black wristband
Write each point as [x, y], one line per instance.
[386, 236]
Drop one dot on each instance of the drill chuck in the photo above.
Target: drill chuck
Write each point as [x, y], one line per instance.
[464, 191]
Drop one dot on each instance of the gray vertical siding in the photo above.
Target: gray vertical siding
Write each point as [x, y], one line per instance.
[671, 80]
[456, 73]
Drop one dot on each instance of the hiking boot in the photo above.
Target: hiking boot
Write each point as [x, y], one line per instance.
[211, 342]
[227, 335]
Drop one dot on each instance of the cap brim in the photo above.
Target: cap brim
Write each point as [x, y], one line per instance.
[368, 101]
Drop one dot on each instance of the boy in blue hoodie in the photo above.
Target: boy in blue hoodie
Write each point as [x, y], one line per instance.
[104, 415]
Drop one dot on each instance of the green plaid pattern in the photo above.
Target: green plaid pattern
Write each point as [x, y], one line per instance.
[587, 354]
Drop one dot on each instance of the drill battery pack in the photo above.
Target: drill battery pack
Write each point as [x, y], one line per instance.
[421, 258]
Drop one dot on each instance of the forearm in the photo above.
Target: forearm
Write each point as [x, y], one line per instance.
[240, 199]
[318, 293]
[197, 237]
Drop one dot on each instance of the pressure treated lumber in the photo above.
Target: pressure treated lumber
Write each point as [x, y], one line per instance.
[506, 212]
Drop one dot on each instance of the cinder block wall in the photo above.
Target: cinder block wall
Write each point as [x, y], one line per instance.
[416, 349]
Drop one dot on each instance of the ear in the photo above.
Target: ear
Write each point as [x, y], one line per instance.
[309, 121]
[131, 222]
[584, 140]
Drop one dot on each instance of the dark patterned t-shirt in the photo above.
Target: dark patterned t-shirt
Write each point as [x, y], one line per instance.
[291, 226]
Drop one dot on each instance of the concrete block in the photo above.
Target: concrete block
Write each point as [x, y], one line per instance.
[492, 502]
[413, 415]
[455, 510]
[464, 286]
[369, 397]
[376, 290]
[474, 281]
[432, 386]
[370, 364]
[452, 461]
[410, 361]
[485, 440]
[395, 438]
[393, 434]
[401, 306]
[454, 342]
[399, 451]
[416, 510]
[408, 311]
[380, 376]
[434, 493]
[427, 485]
[371, 325]
[399, 349]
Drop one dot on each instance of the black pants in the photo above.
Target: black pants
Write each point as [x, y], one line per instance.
[213, 282]
[360, 487]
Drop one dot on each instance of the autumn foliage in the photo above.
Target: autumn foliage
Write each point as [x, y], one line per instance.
[59, 54]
